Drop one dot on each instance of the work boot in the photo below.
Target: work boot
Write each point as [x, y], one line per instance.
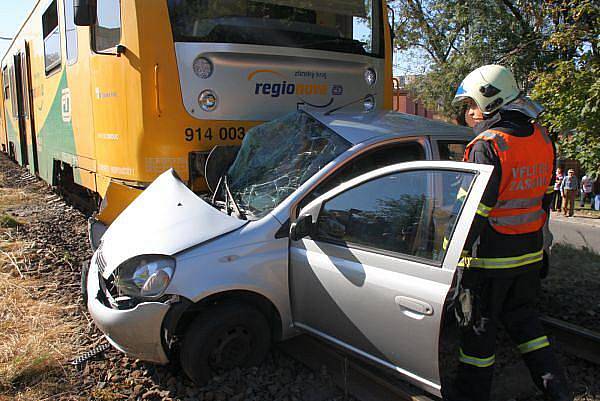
[547, 375]
[556, 389]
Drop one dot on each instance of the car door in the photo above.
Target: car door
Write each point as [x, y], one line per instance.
[374, 271]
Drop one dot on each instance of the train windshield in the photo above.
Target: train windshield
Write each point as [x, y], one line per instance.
[348, 26]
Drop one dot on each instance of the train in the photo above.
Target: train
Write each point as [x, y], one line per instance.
[101, 96]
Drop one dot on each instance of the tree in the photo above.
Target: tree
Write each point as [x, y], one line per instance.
[459, 36]
[552, 47]
[570, 87]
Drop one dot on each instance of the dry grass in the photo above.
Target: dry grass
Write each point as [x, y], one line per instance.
[39, 331]
[36, 334]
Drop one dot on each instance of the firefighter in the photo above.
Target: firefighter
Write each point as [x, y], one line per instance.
[504, 255]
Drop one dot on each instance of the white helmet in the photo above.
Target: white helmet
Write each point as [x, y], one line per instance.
[490, 87]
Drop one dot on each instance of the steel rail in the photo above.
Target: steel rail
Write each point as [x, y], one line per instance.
[353, 376]
[358, 378]
[573, 339]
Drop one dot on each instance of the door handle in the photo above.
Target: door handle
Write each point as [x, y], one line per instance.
[414, 305]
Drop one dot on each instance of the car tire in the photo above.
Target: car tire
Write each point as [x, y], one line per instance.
[224, 337]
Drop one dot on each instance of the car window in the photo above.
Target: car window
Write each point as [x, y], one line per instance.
[395, 213]
[381, 157]
[452, 150]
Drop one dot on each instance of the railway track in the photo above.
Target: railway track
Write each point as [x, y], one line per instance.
[354, 377]
[574, 340]
[364, 382]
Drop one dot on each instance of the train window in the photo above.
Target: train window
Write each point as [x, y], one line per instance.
[70, 32]
[107, 31]
[51, 31]
[13, 92]
[5, 82]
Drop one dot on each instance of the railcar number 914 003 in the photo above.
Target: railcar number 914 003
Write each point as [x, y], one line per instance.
[210, 134]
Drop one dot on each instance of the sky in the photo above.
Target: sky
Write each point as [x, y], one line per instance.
[12, 15]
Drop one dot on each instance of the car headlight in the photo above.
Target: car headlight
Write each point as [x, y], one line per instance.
[146, 276]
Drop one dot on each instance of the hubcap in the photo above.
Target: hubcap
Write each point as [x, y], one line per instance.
[232, 348]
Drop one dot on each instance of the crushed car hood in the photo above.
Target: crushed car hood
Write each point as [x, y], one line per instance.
[165, 219]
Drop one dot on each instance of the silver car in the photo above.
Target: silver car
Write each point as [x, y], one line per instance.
[347, 226]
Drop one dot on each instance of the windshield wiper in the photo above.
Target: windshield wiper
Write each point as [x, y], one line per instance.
[229, 197]
[361, 99]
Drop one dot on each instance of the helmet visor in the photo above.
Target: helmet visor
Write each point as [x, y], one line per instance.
[461, 95]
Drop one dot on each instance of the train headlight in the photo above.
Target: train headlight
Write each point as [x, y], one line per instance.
[203, 68]
[145, 276]
[369, 103]
[370, 76]
[207, 100]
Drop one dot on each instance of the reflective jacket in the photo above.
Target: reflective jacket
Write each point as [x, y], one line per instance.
[527, 164]
[487, 249]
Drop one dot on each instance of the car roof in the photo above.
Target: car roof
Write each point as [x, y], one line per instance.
[358, 127]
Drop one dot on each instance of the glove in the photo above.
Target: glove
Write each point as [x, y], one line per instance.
[463, 309]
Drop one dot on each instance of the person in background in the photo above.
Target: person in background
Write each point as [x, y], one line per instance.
[556, 196]
[596, 193]
[586, 190]
[568, 189]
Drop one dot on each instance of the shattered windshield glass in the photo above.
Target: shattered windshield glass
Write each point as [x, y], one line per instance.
[279, 156]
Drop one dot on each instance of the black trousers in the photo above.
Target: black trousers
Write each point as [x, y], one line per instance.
[509, 301]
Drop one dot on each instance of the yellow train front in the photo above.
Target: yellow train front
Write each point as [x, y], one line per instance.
[111, 93]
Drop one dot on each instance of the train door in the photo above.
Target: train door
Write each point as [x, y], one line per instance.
[27, 102]
[109, 92]
[21, 109]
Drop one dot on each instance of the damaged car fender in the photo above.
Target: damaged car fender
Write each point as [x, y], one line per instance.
[248, 259]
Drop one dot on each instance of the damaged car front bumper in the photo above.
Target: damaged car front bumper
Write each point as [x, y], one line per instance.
[135, 331]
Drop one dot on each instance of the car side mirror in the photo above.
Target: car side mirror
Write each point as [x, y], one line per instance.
[301, 228]
[84, 12]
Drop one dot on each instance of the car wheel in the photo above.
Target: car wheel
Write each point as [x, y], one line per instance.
[222, 338]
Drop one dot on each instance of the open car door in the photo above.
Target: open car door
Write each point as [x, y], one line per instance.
[372, 262]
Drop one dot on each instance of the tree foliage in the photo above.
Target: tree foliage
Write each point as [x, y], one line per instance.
[552, 47]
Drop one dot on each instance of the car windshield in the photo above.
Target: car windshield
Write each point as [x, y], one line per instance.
[349, 26]
[279, 156]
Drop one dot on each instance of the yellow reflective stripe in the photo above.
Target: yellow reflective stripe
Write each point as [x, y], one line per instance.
[474, 361]
[462, 193]
[534, 345]
[445, 243]
[550, 190]
[483, 210]
[502, 263]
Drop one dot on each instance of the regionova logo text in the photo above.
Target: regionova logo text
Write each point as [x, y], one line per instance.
[275, 84]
